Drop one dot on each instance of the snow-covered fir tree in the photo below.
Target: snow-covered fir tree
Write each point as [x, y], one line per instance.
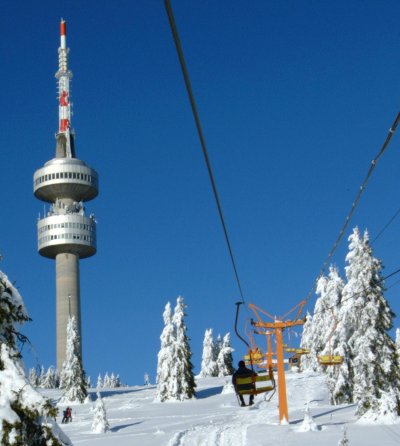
[42, 377]
[50, 379]
[225, 360]
[166, 357]
[106, 381]
[185, 387]
[318, 330]
[208, 360]
[217, 349]
[72, 376]
[175, 378]
[113, 380]
[33, 378]
[307, 363]
[370, 368]
[397, 341]
[88, 382]
[100, 423]
[26, 418]
[99, 384]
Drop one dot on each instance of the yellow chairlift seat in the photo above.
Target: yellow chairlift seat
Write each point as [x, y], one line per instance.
[300, 351]
[253, 385]
[330, 360]
[256, 357]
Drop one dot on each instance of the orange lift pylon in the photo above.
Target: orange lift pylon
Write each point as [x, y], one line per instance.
[277, 326]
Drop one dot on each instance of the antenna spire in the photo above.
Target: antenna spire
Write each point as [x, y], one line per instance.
[64, 76]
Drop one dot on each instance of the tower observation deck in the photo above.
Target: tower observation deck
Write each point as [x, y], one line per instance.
[66, 233]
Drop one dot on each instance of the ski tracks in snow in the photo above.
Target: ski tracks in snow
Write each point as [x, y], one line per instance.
[211, 435]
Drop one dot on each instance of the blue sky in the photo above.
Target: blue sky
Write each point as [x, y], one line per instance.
[295, 99]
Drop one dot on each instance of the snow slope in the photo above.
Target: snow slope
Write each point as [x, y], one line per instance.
[215, 419]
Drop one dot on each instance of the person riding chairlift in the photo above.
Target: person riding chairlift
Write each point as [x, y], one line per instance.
[243, 372]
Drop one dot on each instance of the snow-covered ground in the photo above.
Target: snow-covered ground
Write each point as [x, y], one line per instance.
[215, 419]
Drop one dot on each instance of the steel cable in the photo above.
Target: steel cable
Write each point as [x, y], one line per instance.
[186, 78]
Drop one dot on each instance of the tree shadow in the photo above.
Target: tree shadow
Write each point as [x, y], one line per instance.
[123, 426]
[326, 413]
[111, 392]
[206, 393]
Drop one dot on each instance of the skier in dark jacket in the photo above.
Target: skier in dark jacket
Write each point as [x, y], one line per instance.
[243, 372]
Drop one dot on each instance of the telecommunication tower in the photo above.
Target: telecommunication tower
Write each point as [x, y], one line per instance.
[66, 233]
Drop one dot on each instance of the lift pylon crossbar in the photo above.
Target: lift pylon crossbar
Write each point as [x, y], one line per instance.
[277, 326]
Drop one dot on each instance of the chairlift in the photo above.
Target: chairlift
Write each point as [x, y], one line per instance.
[331, 359]
[299, 351]
[262, 382]
[256, 384]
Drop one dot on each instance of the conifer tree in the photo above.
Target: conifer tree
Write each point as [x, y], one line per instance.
[175, 378]
[72, 377]
[217, 349]
[113, 380]
[166, 357]
[208, 363]
[397, 342]
[225, 360]
[106, 381]
[33, 378]
[318, 330]
[42, 377]
[100, 423]
[183, 368]
[50, 379]
[26, 418]
[373, 374]
[99, 384]
[307, 362]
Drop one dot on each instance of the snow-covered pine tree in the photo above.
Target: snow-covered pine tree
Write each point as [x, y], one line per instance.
[166, 357]
[26, 418]
[397, 342]
[113, 381]
[33, 378]
[50, 379]
[366, 319]
[185, 387]
[99, 384]
[217, 349]
[208, 363]
[225, 360]
[42, 377]
[306, 339]
[106, 381]
[318, 330]
[100, 423]
[88, 382]
[72, 377]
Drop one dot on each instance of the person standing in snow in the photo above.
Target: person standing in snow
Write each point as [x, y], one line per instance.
[243, 372]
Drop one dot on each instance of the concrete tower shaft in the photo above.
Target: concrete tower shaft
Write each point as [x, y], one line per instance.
[65, 232]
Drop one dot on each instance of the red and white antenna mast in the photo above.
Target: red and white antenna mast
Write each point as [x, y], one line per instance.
[64, 77]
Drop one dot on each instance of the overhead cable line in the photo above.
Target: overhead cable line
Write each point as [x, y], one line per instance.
[396, 214]
[356, 201]
[201, 136]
